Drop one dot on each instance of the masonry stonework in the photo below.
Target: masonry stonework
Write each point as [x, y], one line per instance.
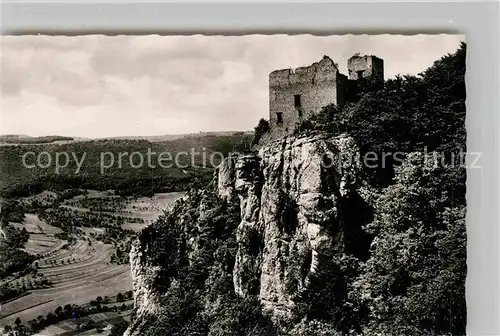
[365, 66]
[297, 94]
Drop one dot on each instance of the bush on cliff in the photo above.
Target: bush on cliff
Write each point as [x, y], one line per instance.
[259, 131]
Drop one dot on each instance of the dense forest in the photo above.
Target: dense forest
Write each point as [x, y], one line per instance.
[411, 281]
[129, 178]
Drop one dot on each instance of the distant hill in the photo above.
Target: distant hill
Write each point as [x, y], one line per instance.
[171, 137]
[18, 180]
[9, 139]
[26, 139]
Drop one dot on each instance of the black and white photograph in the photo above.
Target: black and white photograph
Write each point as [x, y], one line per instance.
[250, 185]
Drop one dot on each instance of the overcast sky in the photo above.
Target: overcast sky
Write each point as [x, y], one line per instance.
[98, 86]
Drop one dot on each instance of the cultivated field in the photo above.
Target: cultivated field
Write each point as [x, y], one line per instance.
[41, 240]
[79, 273]
[71, 327]
[145, 209]
[81, 270]
[149, 209]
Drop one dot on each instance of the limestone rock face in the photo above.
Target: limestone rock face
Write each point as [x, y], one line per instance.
[225, 176]
[145, 294]
[291, 196]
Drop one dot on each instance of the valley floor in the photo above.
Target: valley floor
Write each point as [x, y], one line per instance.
[78, 272]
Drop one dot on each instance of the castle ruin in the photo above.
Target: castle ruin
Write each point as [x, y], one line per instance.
[296, 94]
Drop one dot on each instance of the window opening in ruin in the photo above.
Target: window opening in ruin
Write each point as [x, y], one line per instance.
[279, 117]
[360, 74]
[300, 112]
[297, 101]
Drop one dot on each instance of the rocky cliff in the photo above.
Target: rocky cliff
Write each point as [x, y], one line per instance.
[300, 240]
[292, 198]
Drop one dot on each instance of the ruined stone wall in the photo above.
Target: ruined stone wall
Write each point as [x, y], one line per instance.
[318, 85]
[371, 66]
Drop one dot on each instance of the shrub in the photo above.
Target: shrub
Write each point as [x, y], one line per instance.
[259, 130]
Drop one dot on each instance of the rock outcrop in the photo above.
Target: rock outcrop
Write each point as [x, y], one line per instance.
[292, 195]
[289, 196]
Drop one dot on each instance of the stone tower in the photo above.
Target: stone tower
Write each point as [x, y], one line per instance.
[365, 66]
[295, 94]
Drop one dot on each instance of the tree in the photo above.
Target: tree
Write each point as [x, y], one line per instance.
[119, 329]
[34, 325]
[68, 310]
[317, 328]
[328, 294]
[51, 319]
[259, 130]
[414, 280]
[119, 297]
[17, 322]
